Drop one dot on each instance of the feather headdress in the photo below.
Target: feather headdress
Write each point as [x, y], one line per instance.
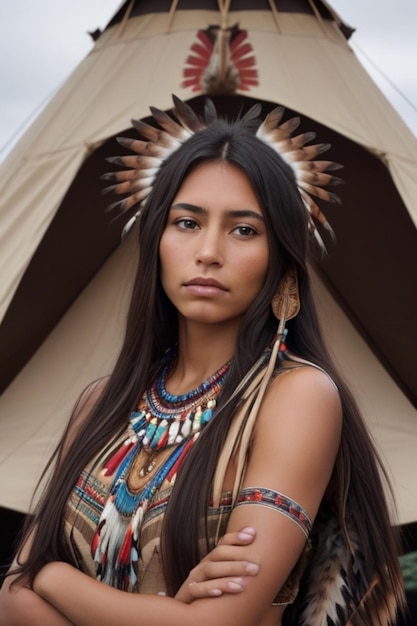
[312, 176]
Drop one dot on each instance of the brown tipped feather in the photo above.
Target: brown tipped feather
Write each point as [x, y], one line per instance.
[338, 589]
[319, 166]
[271, 121]
[187, 116]
[146, 130]
[170, 126]
[252, 115]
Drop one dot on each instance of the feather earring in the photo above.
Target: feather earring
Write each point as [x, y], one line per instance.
[286, 301]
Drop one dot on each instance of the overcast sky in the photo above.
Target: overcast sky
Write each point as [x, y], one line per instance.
[42, 41]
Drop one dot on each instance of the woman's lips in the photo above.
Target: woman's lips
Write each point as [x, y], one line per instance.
[205, 287]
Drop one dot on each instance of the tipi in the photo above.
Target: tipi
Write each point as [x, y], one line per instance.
[65, 277]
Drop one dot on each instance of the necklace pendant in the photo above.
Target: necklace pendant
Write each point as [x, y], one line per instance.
[162, 443]
[187, 425]
[141, 434]
[136, 417]
[197, 420]
[173, 432]
[206, 417]
[208, 412]
[161, 434]
[150, 431]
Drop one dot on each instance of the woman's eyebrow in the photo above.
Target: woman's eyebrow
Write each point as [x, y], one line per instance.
[242, 213]
[239, 213]
[189, 207]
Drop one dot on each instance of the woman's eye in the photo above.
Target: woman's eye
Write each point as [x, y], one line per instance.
[245, 231]
[186, 224]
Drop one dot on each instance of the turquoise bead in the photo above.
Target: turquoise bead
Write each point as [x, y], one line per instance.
[206, 417]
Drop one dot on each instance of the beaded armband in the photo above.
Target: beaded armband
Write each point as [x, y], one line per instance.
[278, 501]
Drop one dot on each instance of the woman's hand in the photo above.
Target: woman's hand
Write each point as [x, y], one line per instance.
[223, 570]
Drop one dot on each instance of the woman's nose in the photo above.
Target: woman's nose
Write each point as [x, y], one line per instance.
[209, 248]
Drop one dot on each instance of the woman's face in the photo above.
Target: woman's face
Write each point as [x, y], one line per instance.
[214, 249]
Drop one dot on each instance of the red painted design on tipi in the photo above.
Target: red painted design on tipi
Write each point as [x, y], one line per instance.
[220, 62]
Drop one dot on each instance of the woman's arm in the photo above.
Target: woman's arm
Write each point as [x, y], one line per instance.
[295, 445]
[20, 606]
[221, 571]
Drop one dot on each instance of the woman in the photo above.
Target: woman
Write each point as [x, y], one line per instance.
[230, 428]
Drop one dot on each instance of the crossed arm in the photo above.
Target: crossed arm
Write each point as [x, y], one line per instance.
[301, 447]
[224, 570]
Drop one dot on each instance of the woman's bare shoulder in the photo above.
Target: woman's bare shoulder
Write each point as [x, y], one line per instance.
[303, 408]
[300, 380]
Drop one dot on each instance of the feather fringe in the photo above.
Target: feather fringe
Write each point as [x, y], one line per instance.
[335, 589]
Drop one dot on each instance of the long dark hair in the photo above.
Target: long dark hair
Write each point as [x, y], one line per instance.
[152, 328]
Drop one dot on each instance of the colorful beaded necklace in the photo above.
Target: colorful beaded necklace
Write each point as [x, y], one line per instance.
[160, 434]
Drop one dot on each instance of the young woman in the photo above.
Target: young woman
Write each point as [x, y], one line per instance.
[215, 423]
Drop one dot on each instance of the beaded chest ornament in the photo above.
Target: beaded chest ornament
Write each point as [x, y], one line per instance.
[162, 430]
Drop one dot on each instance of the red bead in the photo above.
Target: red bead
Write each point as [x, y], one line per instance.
[114, 462]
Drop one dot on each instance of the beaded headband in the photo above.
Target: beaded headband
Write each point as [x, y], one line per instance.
[311, 176]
